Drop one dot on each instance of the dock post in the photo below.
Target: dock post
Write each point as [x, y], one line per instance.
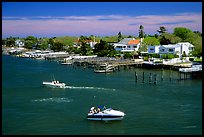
[135, 76]
[162, 74]
[155, 78]
[150, 78]
[186, 76]
[143, 78]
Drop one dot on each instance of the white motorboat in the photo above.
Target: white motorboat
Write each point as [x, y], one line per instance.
[104, 114]
[54, 84]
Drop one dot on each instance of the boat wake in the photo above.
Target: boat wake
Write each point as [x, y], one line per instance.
[58, 100]
[93, 88]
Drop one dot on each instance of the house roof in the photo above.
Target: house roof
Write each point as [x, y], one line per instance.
[129, 41]
[132, 42]
[125, 40]
[170, 46]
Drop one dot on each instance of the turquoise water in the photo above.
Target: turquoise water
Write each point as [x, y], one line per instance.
[170, 107]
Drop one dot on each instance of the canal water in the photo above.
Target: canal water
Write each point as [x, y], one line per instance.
[169, 107]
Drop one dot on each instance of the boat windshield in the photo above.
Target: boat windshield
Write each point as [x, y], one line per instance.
[102, 107]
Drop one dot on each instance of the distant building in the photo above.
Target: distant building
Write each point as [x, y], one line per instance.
[127, 45]
[178, 49]
[90, 42]
[19, 43]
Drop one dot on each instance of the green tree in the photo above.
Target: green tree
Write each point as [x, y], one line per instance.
[57, 46]
[28, 44]
[181, 32]
[10, 41]
[128, 55]
[30, 41]
[119, 36]
[3, 41]
[198, 47]
[51, 41]
[147, 42]
[167, 38]
[31, 38]
[198, 32]
[82, 39]
[104, 49]
[42, 46]
[86, 49]
[143, 48]
[150, 41]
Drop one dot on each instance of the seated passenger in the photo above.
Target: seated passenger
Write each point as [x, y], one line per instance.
[98, 110]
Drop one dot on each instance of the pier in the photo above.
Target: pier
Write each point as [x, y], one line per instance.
[195, 72]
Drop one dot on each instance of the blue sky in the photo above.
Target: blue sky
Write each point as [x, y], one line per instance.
[47, 19]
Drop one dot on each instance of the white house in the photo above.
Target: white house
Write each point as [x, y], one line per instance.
[127, 45]
[19, 43]
[153, 49]
[179, 49]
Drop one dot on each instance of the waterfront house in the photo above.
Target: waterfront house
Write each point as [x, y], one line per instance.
[19, 43]
[127, 45]
[178, 49]
[90, 42]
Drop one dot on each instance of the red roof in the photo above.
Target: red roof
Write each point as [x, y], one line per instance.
[134, 42]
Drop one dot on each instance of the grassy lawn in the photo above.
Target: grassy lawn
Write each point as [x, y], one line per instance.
[197, 60]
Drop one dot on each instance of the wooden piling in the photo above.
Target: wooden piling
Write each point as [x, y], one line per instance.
[135, 76]
[143, 78]
[155, 79]
[162, 75]
[150, 78]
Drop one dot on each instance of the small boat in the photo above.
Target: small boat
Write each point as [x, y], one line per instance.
[104, 68]
[103, 114]
[54, 84]
[66, 63]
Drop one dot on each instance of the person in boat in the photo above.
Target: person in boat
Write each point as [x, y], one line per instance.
[93, 110]
[102, 107]
[98, 110]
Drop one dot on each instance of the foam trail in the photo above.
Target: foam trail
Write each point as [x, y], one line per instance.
[58, 100]
[94, 88]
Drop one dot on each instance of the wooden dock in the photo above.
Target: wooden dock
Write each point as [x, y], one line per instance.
[194, 68]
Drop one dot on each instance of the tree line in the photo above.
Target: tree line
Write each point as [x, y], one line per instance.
[79, 45]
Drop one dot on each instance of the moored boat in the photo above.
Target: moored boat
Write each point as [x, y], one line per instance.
[104, 68]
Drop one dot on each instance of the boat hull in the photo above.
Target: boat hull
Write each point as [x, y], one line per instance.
[106, 115]
[103, 71]
[52, 85]
[105, 118]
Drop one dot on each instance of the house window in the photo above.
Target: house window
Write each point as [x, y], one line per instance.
[161, 50]
[171, 50]
[151, 49]
[190, 48]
